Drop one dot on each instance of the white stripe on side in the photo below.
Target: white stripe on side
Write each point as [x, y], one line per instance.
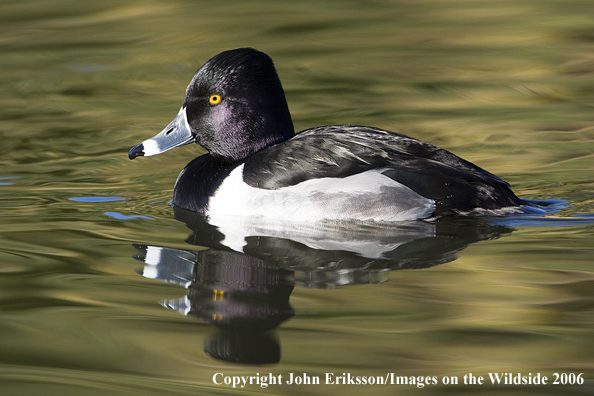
[367, 196]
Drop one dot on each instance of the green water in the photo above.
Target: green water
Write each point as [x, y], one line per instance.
[505, 84]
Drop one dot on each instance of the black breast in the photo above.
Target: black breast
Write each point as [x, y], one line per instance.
[198, 182]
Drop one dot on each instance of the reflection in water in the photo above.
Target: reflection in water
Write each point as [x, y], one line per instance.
[242, 282]
[241, 295]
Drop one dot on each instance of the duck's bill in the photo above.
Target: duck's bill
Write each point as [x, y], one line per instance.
[177, 133]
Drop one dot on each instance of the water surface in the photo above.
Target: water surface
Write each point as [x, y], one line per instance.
[507, 85]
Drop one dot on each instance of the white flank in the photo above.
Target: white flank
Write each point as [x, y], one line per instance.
[367, 196]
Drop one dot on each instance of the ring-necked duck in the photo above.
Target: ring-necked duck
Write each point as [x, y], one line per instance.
[235, 108]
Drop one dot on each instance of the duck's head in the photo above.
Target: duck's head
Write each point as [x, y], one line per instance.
[233, 107]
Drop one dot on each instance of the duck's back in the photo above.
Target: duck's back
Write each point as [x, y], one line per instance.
[456, 185]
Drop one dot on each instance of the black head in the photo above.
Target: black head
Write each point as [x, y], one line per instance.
[236, 106]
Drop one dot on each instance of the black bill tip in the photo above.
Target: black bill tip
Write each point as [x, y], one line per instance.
[136, 151]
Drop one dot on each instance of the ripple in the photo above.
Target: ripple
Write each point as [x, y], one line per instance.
[120, 216]
[5, 183]
[97, 199]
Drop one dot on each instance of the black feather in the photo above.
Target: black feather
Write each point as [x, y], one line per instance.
[455, 184]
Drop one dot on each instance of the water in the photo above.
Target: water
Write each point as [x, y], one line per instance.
[507, 85]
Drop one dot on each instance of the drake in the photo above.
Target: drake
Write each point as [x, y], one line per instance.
[256, 165]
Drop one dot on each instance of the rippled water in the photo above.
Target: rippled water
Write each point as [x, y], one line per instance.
[104, 289]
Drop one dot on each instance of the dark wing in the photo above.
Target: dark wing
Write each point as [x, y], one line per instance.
[339, 151]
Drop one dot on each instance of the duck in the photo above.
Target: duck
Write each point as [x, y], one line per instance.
[257, 166]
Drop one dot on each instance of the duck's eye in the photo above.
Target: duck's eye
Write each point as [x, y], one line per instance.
[214, 99]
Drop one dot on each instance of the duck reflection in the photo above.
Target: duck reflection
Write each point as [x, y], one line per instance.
[244, 297]
[242, 277]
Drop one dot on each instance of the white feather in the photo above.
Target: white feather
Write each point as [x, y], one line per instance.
[367, 196]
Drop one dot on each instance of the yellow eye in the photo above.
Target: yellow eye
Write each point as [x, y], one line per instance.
[214, 99]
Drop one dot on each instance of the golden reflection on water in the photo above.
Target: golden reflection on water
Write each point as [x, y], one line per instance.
[504, 84]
